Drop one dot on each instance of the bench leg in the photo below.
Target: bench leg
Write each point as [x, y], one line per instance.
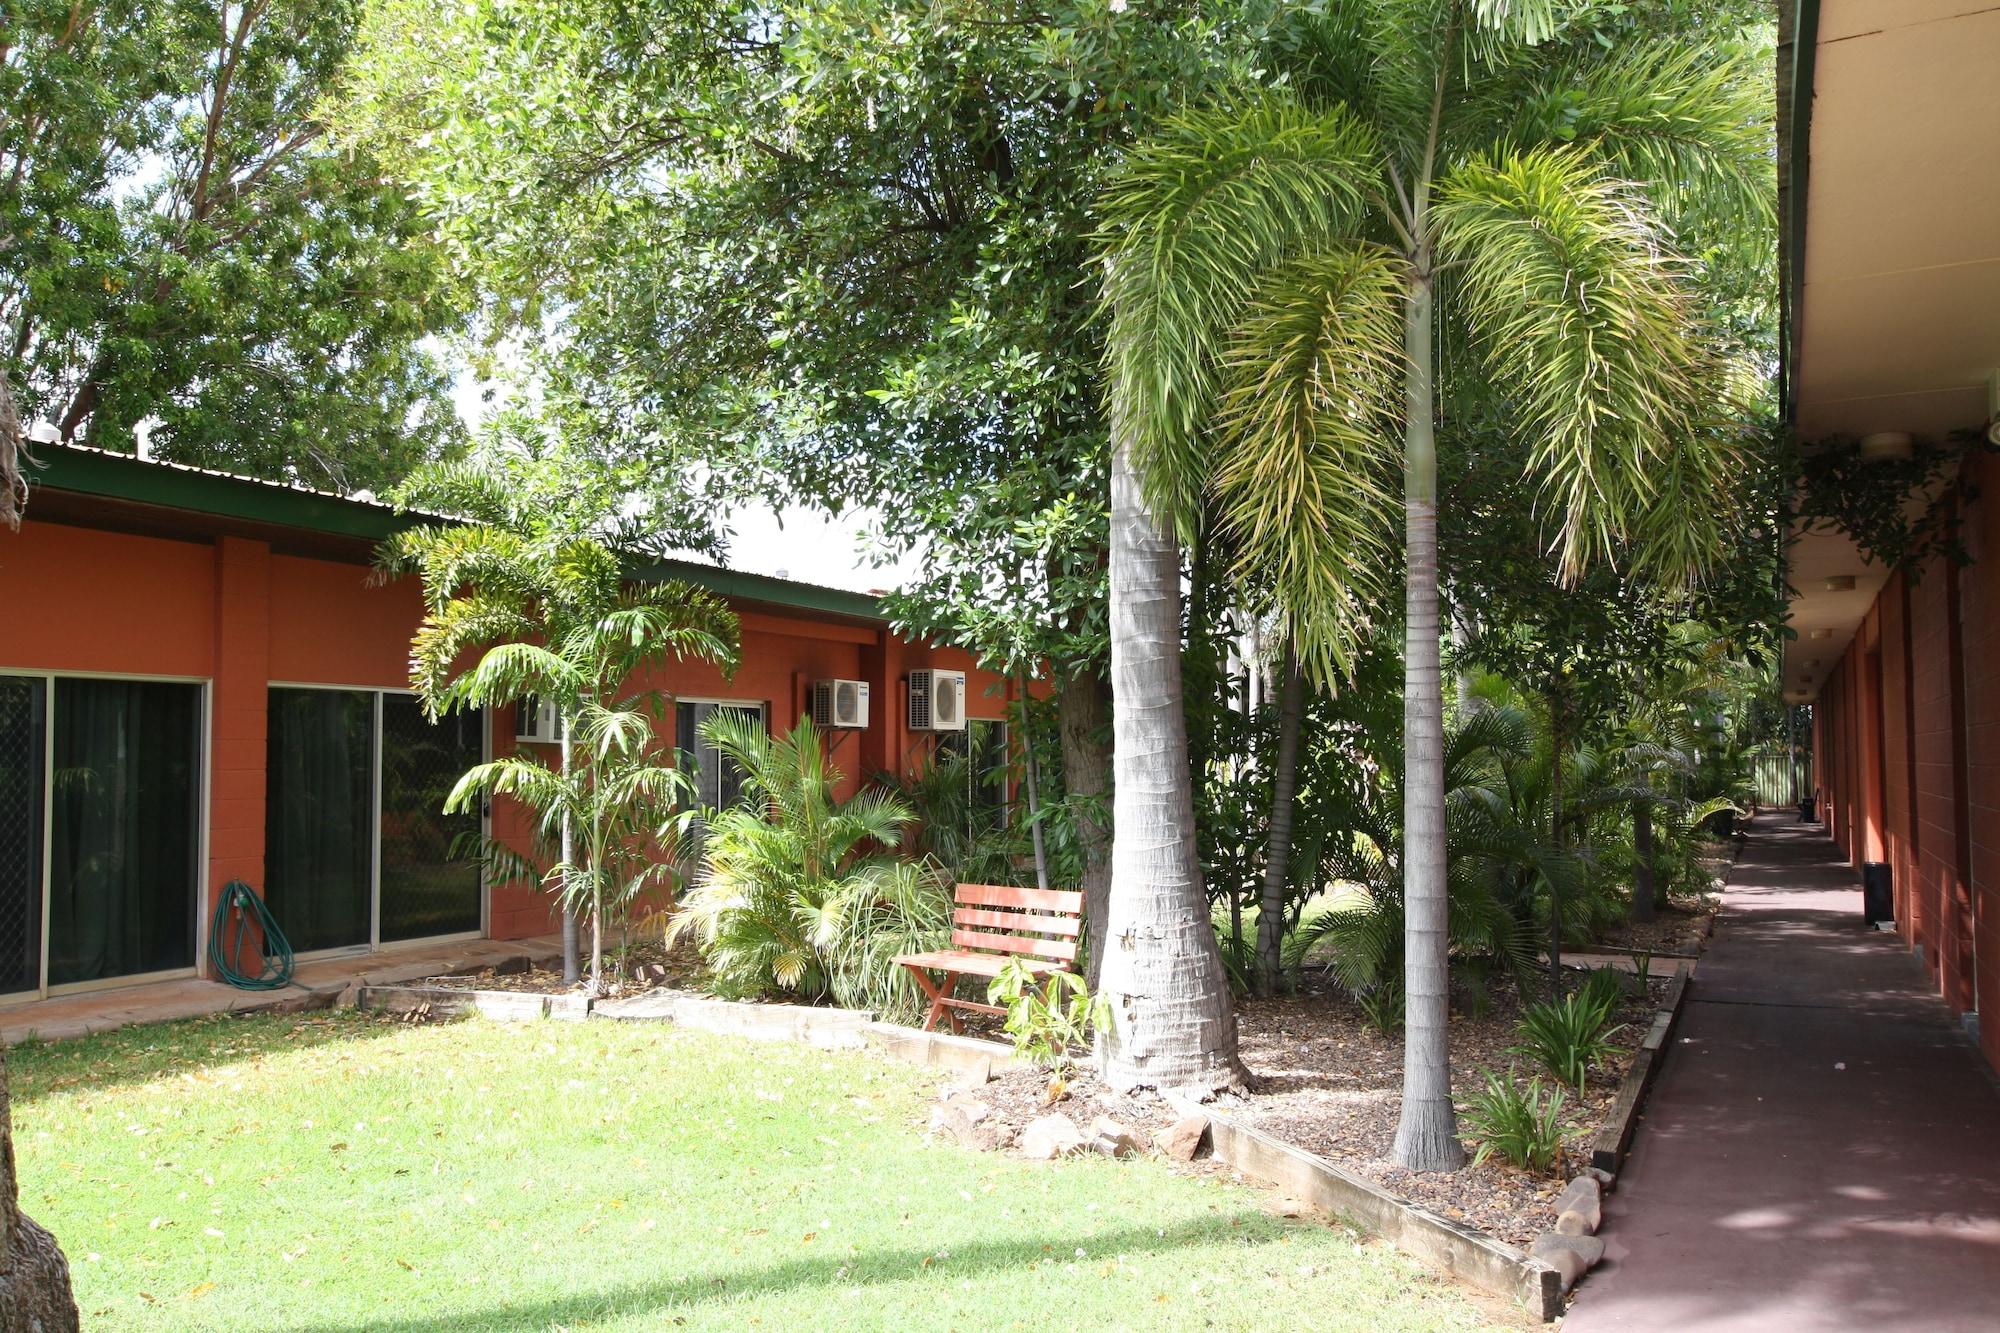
[939, 992]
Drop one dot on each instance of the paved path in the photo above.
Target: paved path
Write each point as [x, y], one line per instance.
[1822, 1150]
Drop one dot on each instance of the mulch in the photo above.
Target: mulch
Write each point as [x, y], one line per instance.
[1324, 1080]
[633, 969]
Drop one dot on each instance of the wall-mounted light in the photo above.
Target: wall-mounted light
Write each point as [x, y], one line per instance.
[1886, 444]
[1840, 583]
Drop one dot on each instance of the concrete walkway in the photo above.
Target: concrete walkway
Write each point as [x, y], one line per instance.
[1822, 1149]
[316, 982]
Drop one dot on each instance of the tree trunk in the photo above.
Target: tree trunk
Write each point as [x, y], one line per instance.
[1172, 1023]
[34, 1282]
[1278, 849]
[1642, 858]
[1427, 1132]
[1083, 718]
[1034, 785]
[572, 971]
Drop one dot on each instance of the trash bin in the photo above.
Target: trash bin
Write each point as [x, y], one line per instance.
[1878, 899]
[1808, 810]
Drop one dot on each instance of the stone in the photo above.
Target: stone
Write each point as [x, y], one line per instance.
[1113, 1139]
[1183, 1139]
[1572, 1256]
[1601, 1176]
[349, 996]
[967, 1121]
[1050, 1136]
[1580, 1208]
[976, 1076]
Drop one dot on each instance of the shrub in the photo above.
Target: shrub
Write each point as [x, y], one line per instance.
[1605, 988]
[1382, 1005]
[1566, 1036]
[801, 892]
[1049, 1014]
[1520, 1125]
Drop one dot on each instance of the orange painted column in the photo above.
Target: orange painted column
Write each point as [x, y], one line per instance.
[1871, 844]
[240, 710]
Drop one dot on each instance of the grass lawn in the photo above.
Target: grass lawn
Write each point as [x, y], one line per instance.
[343, 1173]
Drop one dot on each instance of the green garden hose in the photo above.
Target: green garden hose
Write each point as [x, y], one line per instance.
[227, 940]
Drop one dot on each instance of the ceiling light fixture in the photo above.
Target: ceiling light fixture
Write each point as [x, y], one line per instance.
[1840, 583]
[1821, 634]
[1886, 444]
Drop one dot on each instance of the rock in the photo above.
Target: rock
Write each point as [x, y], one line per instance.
[1113, 1139]
[969, 1122]
[1579, 1208]
[1572, 1256]
[976, 1077]
[350, 994]
[1601, 1176]
[1050, 1136]
[1183, 1139]
[1280, 1205]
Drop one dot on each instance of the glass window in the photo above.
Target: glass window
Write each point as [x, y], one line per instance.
[22, 781]
[984, 744]
[319, 816]
[430, 864]
[125, 800]
[717, 778]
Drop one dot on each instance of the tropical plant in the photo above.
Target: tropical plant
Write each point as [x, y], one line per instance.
[1518, 1124]
[626, 808]
[1050, 1015]
[523, 582]
[801, 891]
[1567, 1036]
[1277, 279]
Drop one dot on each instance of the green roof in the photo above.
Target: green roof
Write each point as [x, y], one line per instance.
[86, 471]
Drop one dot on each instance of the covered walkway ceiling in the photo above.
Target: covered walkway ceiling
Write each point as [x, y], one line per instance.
[1895, 309]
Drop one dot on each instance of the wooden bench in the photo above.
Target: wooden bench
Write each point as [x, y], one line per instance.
[991, 925]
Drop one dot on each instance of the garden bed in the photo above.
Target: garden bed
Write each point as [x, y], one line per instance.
[1323, 1080]
[634, 969]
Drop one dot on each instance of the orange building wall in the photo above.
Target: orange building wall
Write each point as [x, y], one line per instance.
[1923, 708]
[239, 616]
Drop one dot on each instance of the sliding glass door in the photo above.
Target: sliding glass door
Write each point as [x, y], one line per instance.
[358, 849]
[100, 829]
[430, 866]
[319, 817]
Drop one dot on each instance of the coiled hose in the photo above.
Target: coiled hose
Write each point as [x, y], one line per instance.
[228, 939]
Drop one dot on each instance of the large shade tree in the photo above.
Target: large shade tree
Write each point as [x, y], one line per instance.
[1484, 176]
[185, 260]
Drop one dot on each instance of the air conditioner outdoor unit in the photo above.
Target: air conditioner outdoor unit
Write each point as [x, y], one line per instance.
[840, 704]
[937, 700]
[537, 722]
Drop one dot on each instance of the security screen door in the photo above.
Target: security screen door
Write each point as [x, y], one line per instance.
[100, 801]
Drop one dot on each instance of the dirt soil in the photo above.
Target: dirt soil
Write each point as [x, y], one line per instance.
[1322, 1079]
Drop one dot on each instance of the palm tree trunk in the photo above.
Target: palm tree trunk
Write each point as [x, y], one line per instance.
[34, 1276]
[572, 972]
[1642, 857]
[1172, 1024]
[1278, 848]
[1083, 706]
[1427, 1133]
[1556, 842]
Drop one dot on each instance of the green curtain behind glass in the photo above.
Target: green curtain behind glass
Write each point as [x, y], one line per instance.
[319, 811]
[21, 783]
[430, 879]
[122, 856]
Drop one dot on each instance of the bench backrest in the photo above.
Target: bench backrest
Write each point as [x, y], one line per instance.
[998, 918]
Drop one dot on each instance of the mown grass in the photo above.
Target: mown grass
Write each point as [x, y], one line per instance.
[341, 1173]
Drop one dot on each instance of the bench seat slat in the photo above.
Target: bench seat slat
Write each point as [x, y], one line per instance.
[972, 964]
[1062, 902]
[1040, 925]
[1063, 951]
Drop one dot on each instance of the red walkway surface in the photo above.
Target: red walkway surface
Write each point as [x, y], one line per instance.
[1822, 1149]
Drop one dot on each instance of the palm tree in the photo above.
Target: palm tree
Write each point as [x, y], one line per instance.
[1278, 278]
[804, 892]
[524, 581]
